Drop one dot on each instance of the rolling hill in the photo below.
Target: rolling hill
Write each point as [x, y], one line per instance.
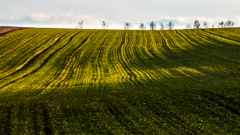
[57, 81]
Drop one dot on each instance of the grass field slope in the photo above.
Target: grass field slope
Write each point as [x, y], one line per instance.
[71, 81]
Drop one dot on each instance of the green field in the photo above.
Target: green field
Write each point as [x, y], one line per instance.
[66, 81]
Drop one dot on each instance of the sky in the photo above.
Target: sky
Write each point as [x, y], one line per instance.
[67, 13]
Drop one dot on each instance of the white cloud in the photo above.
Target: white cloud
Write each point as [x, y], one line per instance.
[9, 18]
[70, 20]
[237, 19]
[40, 17]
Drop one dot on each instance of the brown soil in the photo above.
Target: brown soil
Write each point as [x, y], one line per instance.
[8, 29]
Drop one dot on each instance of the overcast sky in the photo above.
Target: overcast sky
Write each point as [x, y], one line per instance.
[66, 13]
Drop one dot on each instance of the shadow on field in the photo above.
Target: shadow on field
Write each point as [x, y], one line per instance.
[132, 112]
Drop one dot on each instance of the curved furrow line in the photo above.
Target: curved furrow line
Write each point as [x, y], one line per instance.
[222, 34]
[106, 70]
[113, 70]
[150, 61]
[176, 48]
[44, 69]
[117, 64]
[102, 85]
[88, 45]
[201, 60]
[196, 61]
[36, 54]
[234, 32]
[109, 72]
[95, 46]
[83, 79]
[125, 76]
[189, 39]
[84, 43]
[67, 58]
[230, 31]
[186, 52]
[162, 60]
[141, 69]
[23, 43]
[215, 52]
[166, 47]
[12, 61]
[188, 61]
[223, 39]
[206, 58]
[4, 42]
[57, 63]
[143, 61]
[65, 69]
[121, 52]
[118, 76]
[185, 70]
[46, 58]
[155, 48]
[95, 57]
[37, 49]
[127, 51]
[82, 64]
[158, 50]
[200, 41]
[89, 54]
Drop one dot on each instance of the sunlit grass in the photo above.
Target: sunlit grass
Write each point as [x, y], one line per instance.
[63, 81]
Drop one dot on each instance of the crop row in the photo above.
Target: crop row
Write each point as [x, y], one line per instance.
[57, 81]
[105, 59]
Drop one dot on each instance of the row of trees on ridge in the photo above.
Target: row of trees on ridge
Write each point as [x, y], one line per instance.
[170, 25]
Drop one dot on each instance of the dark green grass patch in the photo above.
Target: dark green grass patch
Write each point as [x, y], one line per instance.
[67, 81]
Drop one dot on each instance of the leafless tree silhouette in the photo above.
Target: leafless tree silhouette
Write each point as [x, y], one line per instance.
[232, 24]
[127, 25]
[229, 23]
[188, 26]
[104, 25]
[170, 25]
[221, 24]
[80, 24]
[152, 25]
[142, 26]
[197, 24]
[162, 26]
[205, 24]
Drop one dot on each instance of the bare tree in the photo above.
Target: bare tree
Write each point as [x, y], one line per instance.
[152, 25]
[142, 26]
[170, 25]
[229, 23]
[213, 26]
[197, 24]
[221, 24]
[104, 25]
[162, 26]
[80, 24]
[232, 24]
[205, 24]
[188, 26]
[127, 25]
